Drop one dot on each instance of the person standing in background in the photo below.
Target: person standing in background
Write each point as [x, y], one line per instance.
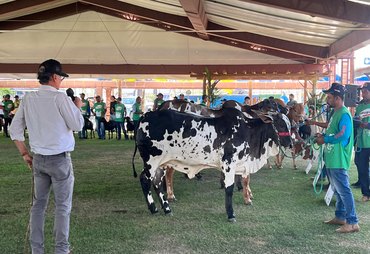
[121, 113]
[99, 113]
[85, 111]
[291, 101]
[137, 112]
[204, 101]
[50, 117]
[363, 142]
[8, 107]
[247, 101]
[158, 101]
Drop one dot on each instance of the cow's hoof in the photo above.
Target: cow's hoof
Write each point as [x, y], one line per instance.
[295, 167]
[153, 209]
[232, 220]
[170, 214]
[171, 199]
[249, 202]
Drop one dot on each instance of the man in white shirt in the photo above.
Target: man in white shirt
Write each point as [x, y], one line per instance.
[50, 117]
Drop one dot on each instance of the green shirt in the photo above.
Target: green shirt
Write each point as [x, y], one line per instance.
[136, 109]
[99, 108]
[8, 107]
[363, 135]
[85, 109]
[157, 103]
[120, 110]
[336, 155]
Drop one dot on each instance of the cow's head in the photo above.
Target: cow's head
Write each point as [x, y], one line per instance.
[282, 127]
[296, 112]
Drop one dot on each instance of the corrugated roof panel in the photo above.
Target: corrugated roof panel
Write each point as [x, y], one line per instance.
[276, 23]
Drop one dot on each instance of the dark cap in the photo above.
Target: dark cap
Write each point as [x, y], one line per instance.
[160, 94]
[50, 67]
[336, 89]
[223, 99]
[365, 86]
[82, 94]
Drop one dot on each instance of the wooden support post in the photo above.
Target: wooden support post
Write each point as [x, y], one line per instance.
[99, 91]
[332, 73]
[119, 86]
[250, 92]
[305, 92]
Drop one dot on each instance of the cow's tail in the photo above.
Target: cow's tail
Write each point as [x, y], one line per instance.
[133, 161]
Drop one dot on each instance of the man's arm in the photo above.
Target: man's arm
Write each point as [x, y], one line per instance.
[345, 128]
[16, 131]
[24, 152]
[320, 124]
[71, 112]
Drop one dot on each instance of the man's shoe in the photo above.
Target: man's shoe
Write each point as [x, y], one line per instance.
[335, 221]
[348, 228]
[365, 198]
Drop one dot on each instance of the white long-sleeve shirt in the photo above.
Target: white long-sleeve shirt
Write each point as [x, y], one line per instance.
[50, 117]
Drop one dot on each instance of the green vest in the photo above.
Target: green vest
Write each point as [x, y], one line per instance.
[120, 112]
[8, 107]
[99, 109]
[335, 155]
[85, 107]
[363, 135]
[136, 108]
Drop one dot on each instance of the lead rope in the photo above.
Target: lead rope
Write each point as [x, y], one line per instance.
[319, 168]
[26, 249]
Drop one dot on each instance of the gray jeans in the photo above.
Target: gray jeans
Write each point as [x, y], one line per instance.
[55, 171]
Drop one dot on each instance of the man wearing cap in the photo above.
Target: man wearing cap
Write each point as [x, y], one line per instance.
[121, 113]
[158, 101]
[99, 113]
[85, 111]
[8, 107]
[338, 144]
[363, 142]
[50, 117]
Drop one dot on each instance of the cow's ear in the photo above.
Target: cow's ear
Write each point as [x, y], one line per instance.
[266, 118]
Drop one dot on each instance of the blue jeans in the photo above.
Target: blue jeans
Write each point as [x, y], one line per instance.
[345, 206]
[362, 163]
[119, 128]
[100, 127]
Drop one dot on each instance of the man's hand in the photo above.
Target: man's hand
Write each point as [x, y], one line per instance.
[319, 139]
[28, 159]
[78, 102]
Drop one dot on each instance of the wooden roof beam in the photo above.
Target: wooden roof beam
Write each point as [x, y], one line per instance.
[40, 17]
[197, 16]
[19, 8]
[349, 43]
[194, 70]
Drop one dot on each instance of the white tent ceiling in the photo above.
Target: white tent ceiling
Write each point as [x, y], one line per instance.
[124, 36]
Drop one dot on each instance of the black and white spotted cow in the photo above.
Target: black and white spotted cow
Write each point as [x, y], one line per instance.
[190, 143]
